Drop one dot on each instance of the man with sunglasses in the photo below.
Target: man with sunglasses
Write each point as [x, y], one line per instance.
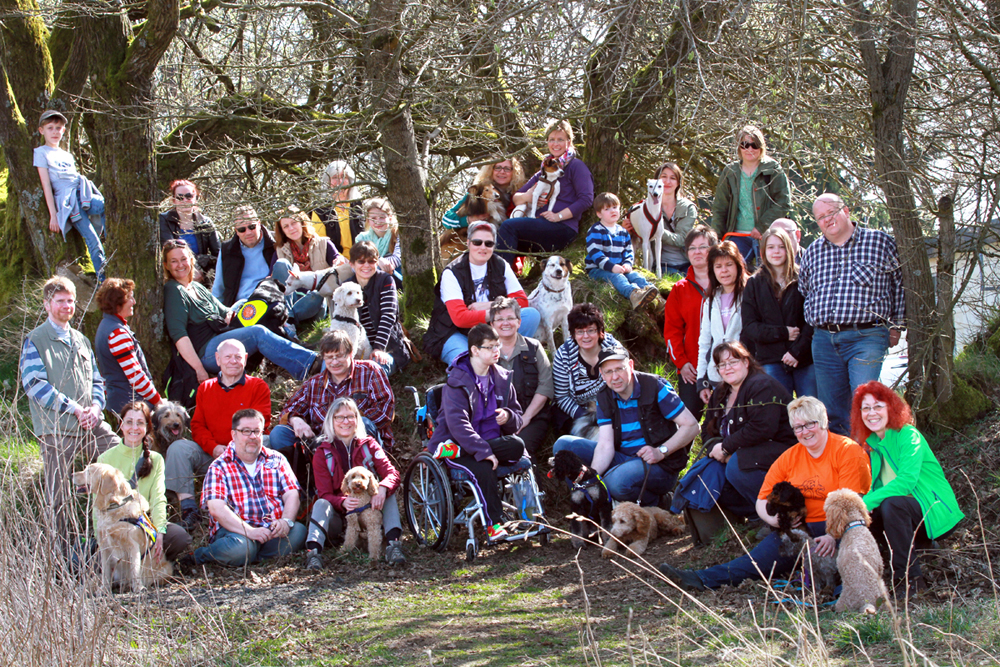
[466, 290]
[853, 286]
[644, 432]
[245, 259]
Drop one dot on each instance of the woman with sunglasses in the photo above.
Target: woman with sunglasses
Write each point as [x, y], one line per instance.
[506, 176]
[184, 220]
[751, 194]
[465, 291]
[379, 314]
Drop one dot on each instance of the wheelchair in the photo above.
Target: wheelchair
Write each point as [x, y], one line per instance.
[439, 496]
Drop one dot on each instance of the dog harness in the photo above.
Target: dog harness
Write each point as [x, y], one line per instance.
[655, 222]
[358, 510]
[853, 524]
[143, 521]
[578, 486]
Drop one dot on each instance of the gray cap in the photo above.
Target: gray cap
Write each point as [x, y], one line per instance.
[49, 114]
[612, 354]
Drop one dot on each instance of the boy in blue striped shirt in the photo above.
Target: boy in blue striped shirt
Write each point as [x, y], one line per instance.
[610, 255]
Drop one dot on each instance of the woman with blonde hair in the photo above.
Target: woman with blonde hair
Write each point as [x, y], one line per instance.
[343, 220]
[382, 230]
[506, 177]
[774, 322]
[751, 194]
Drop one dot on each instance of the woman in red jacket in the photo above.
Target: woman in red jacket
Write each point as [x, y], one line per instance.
[345, 444]
[682, 316]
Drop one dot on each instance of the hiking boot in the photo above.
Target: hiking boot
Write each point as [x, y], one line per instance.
[315, 367]
[649, 294]
[190, 519]
[447, 450]
[496, 533]
[314, 561]
[635, 298]
[686, 579]
[186, 565]
[394, 553]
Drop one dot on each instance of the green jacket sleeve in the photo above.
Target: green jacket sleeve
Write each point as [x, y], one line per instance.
[904, 451]
[723, 200]
[779, 201]
[685, 217]
[451, 219]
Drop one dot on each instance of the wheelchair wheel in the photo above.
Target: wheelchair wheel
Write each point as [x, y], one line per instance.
[429, 512]
[470, 552]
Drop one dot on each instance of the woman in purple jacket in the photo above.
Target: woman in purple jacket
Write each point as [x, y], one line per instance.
[477, 420]
[551, 230]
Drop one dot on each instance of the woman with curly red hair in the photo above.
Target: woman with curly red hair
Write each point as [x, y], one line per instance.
[911, 502]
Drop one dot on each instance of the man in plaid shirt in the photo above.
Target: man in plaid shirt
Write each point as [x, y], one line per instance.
[853, 287]
[343, 377]
[252, 497]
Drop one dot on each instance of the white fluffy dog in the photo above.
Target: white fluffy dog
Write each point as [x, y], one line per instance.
[346, 300]
[553, 298]
[647, 221]
[325, 281]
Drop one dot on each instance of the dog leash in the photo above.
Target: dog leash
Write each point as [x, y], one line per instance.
[644, 480]
[358, 510]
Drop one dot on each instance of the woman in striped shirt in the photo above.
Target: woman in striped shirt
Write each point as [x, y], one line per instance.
[380, 313]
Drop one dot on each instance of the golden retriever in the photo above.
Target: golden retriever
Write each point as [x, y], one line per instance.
[360, 483]
[125, 548]
[638, 526]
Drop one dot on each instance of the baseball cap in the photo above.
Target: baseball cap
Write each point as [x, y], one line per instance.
[611, 354]
[49, 114]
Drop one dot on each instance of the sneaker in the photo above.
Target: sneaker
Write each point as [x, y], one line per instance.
[313, 560]
[496, 532]
[687, 579]
[447, 450]
[394, 553]
[190, 518]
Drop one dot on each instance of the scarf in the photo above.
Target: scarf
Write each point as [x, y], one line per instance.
[300, 255]
[566, 157]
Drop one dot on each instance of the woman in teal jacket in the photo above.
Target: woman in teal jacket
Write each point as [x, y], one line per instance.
[911, 502]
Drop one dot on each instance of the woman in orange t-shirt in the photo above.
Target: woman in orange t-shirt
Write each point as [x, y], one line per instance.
[821, 462]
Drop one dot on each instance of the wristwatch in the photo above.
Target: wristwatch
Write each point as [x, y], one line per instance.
[663, 450]
[291, 524]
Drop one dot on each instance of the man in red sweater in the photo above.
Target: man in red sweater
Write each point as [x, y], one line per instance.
[218, 399]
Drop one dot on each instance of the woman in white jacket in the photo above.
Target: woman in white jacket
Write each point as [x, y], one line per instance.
[721, 319]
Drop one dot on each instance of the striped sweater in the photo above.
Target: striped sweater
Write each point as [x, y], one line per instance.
[608, 247]
[574, 388]
[123, 364]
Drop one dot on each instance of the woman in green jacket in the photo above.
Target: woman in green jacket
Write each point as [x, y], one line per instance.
[145, 471]
[751, 194]
[911, 502]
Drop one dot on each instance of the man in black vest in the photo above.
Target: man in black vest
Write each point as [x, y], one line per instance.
[245, 259]
[645, 432]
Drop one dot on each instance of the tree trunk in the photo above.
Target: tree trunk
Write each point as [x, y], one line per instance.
[405, 179]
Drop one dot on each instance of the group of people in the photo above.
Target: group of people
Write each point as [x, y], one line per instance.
[814, 323]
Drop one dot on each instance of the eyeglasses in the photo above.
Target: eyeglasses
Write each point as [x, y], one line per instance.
[489, 348]
[370, 260]
[732, 363]
[479, 242]
[823, 219]
[503, 168]
[749, 145]
[501, 320]
[612, 371]
[187, 195]
[592, 331]
[700, 248]
[250, 432]
[344, 418]
[872, 408]
[252, 226]
[336, 356]
[808, 426]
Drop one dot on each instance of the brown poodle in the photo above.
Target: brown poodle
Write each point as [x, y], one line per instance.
[858, 558]
[638, 526]
[361, 483]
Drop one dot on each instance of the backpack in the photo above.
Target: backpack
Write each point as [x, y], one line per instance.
[180, 382]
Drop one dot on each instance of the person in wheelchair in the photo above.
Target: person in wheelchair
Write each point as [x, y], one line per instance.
[477, 419]
[345, 444]
[644, 432]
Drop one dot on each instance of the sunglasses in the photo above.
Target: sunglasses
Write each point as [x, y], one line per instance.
[252, 226]
[370, 260]
[479, 242]
[750, 145]
[175, 244]
[185, 196]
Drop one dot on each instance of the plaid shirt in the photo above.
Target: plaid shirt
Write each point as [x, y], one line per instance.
[856, 283]
[367, 384]
[257, 499]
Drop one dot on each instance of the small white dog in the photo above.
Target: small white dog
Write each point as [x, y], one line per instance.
[551, 172]
[346, 300]
[553, 299]
[647, 221]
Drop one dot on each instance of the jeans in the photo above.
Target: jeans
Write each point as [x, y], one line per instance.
[91, 226]
[295, 359]
[185, 461]
[676, 269]
[747, 483]
[625, 476]
[625, 283]
[844, 361]
[458, 342]
[688, 392]
[800, 381]
[532, 235]
[302, 306]
[236, 550]
[766, 556]
[326, 522]
[749, 247]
